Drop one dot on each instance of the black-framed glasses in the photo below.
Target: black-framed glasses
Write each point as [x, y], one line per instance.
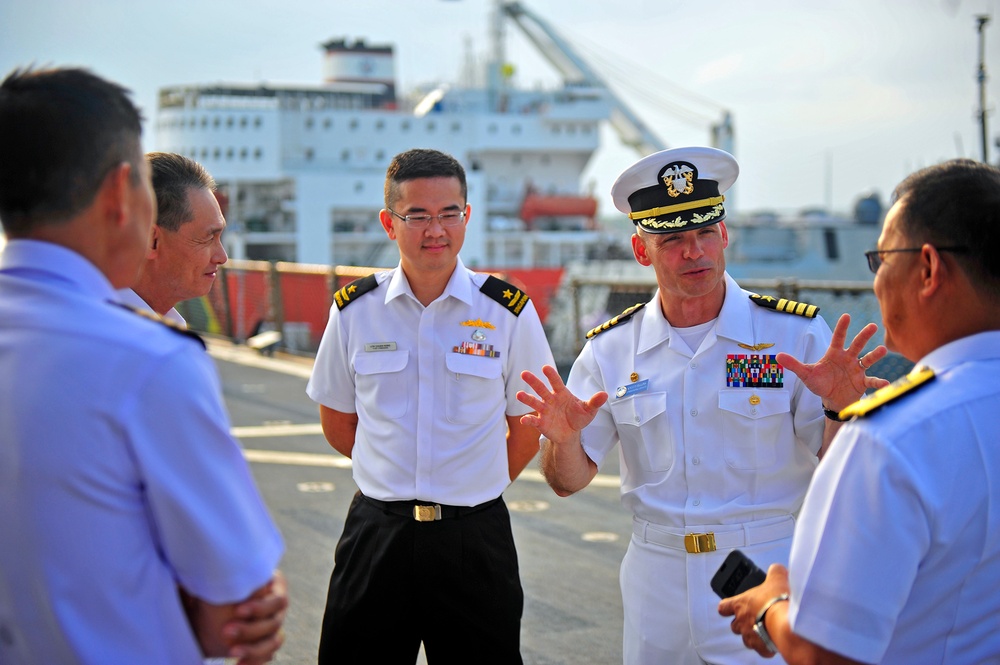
[422, 221]
[875, 256]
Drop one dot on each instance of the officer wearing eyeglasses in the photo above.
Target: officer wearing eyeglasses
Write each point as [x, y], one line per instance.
[416, 376]
[896, 556]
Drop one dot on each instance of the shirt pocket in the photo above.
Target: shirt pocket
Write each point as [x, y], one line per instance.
[751, 432]
[643, 430]
[474, 388]
[380, 385]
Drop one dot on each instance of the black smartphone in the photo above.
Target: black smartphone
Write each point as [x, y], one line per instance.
[736, 574]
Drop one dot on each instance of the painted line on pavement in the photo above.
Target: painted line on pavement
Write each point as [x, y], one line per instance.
[339, 462]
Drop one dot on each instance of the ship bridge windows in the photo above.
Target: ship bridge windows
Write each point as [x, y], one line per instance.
[216, 122]
[258, 153]
[309, 122]
[243, 153]
[405, 125]
[456, 127]
[257, 121]
[380, 156]
[243, 122]
[229, 153]
[353, 125]
[230, 121]
[380, 125]
[345, 155]
[327, 123]
[217, 153]
[310, 153]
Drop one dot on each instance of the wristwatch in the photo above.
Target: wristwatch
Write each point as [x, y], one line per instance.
[834, 415]
[760, 627]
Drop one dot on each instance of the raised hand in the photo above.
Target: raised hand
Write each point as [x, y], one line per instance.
[839, 377]
[559, 414]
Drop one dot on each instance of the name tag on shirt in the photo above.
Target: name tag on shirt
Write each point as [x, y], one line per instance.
[632, 388]
[380, 346]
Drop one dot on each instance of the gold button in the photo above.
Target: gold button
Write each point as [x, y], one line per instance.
[754, 400]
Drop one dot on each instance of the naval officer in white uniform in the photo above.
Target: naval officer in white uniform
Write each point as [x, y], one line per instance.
[718, 436]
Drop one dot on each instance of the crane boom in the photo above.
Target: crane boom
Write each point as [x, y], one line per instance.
[575, 71]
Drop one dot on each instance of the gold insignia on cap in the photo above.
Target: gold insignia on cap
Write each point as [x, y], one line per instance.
[918, 377]
[678, 173]
[755, 347]
[633, 377]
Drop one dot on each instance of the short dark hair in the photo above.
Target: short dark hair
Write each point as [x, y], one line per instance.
[173, 175]
[61, 132]
[421, 163]
[956, 203]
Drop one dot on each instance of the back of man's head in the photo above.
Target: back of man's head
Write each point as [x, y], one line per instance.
[61, 132]
[173, 175]
[957, 204]
[421, 163]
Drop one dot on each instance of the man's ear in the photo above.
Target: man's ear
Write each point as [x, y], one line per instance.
[154, 242]
[385, 217]
[113, 193]
[639, 250]
[933, 270]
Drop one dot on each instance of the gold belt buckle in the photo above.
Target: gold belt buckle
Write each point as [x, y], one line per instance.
[696, 543]
[432, 513]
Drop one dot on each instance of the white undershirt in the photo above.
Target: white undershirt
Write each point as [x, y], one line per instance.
[695, 335]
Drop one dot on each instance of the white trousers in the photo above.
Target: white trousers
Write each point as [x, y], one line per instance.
[671, 612]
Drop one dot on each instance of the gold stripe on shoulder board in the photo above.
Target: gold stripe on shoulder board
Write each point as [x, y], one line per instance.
[624, 316]
[346, 295]
[784, 305]
[918, 377]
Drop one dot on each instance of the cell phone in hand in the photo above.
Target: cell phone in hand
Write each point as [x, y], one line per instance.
[736, 574]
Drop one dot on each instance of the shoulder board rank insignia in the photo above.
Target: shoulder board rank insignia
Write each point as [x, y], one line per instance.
[788, 306]
[624, 316]
[508, 295]
[346, 295]
[153, 316]
[918, 377]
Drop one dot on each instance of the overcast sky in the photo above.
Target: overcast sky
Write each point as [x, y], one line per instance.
[830, 100]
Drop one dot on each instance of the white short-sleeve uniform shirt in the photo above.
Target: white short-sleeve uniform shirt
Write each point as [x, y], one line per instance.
[897, 555]
[119, 480]
[431, 385]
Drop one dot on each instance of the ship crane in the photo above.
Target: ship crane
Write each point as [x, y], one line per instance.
[576, 72]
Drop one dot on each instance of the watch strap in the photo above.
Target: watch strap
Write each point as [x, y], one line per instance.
[760, 625]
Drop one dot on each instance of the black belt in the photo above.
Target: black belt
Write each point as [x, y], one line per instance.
[422, 511]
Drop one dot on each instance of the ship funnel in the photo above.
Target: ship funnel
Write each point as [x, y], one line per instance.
[357, 62]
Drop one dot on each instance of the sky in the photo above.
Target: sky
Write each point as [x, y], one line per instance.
[830, 100]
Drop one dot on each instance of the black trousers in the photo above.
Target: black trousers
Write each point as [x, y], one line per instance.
[452, 584]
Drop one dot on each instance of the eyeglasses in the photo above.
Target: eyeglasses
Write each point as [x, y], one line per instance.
[422, 221]
[875, 256]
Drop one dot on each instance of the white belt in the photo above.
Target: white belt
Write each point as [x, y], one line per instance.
[725, 536]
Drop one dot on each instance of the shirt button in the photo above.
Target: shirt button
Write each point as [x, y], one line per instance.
[753, 411]
[694, 412]
[638, 420]
[696, 460]
[696, 502]
[694, 365]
